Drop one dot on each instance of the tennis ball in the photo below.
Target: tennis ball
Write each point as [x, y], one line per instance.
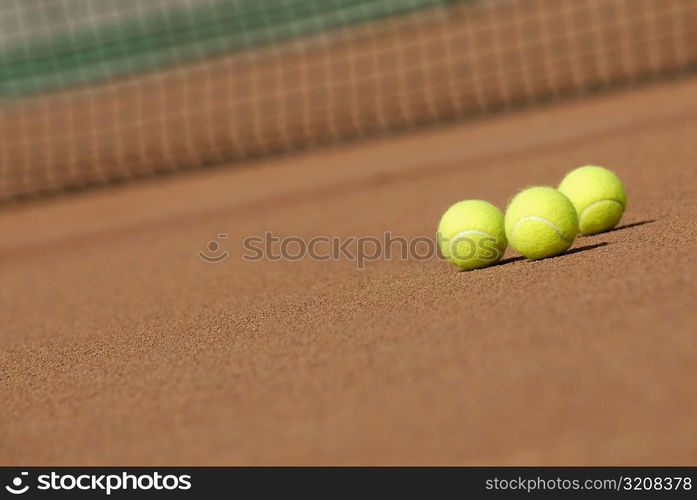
[541, 222]
[471, 234]
[598, 195]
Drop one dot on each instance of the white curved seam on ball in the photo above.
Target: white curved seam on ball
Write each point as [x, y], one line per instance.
[541, 219]
[599, 201]
[462, 233]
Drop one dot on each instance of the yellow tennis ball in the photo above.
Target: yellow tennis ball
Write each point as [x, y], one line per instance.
[541, 222]
[471, 234]
[598, 195]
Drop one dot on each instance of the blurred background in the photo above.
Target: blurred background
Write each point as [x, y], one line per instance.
[102, 91]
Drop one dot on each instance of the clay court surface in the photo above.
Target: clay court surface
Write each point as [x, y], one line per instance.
[118, 345]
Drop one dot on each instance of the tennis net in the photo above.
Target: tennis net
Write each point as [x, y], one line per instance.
[97, 91]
